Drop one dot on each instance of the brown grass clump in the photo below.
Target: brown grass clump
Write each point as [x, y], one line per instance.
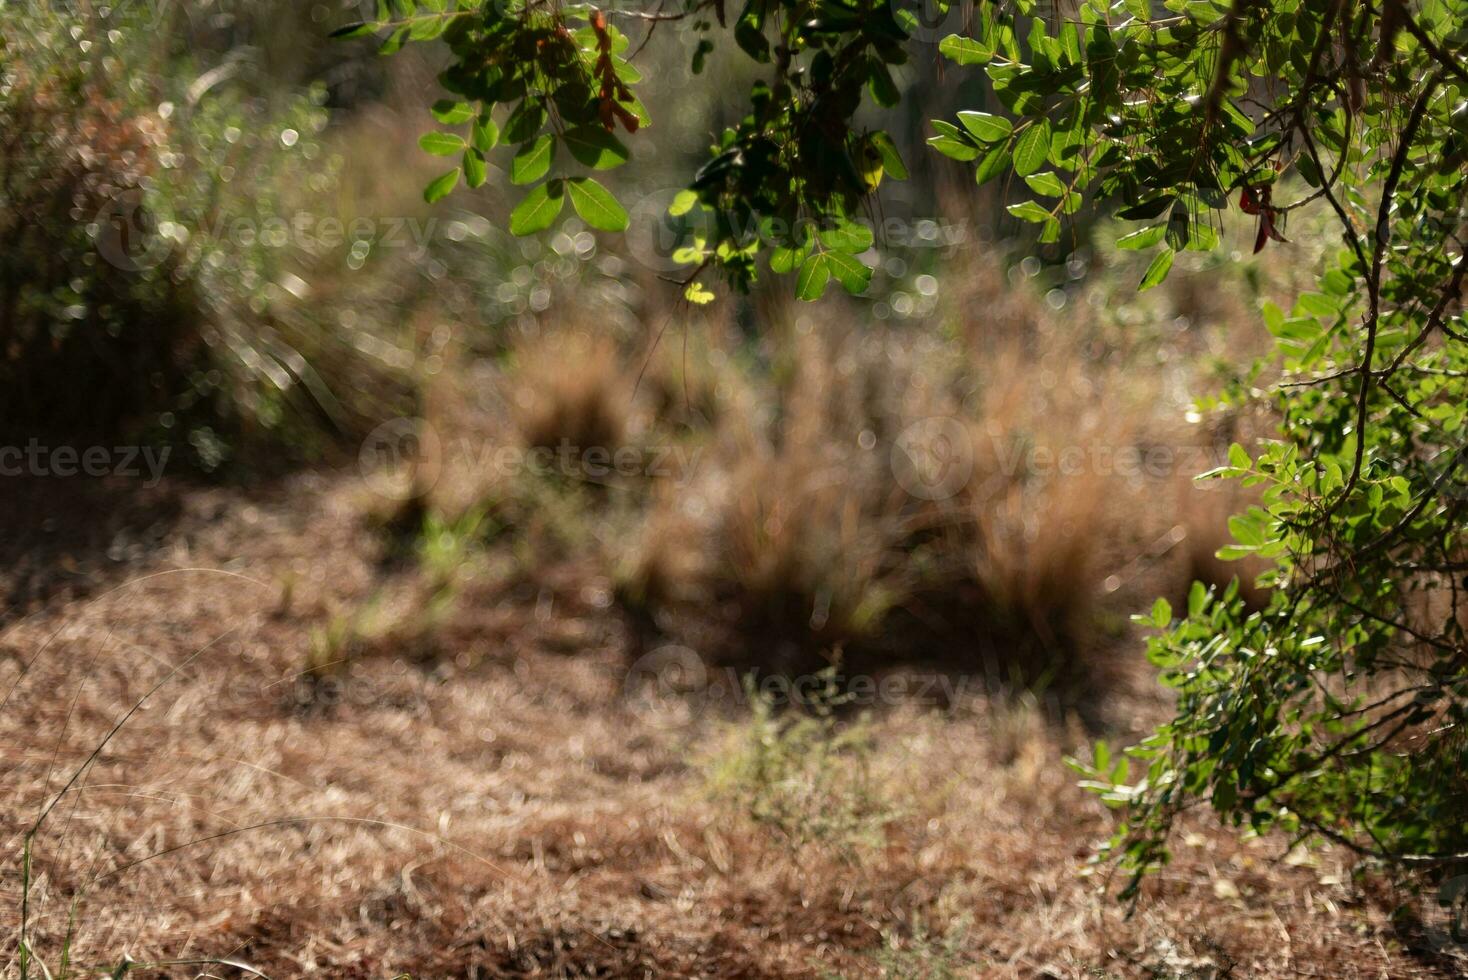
[1036, 560]
[807, 550]
[667, 561]
[690, 377]
[571, 387]
[916, 499]
[807, 533]
[1038, 510]
[1025, 503]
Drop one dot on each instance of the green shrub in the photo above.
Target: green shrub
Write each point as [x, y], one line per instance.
[153, 284]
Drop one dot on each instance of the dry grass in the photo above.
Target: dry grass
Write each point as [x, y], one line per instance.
[350, 775]
[806, 554]
[666, 564]
[571, 388]
[1027, 532]
[514, 817]
[920, 498]
[692, 376]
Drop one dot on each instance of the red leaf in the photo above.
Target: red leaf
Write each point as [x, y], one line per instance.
[629, 119]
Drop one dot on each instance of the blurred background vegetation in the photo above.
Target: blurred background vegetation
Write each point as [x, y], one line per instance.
[215, 240]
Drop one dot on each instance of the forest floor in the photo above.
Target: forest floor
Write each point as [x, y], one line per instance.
[512, 806]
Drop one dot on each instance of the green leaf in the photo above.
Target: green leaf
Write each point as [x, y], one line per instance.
[532, 160]
[749, 34]
[848, 236]
[1337, 283]
[526, 121]
[539, 209]
[891, 159]
[814, 274]
[1245, 531]
[441, 144]
[1145, 238]
[1178, 223]
[986, 127]
[594, 147]
[596, 205]
[884, 90]
[1317, 304]
[997, 161]
[439, 188]
[1146, 210]
[683, 202]
[1161, 613]
[1157, 271]
[475, 170]
[427, 28]
[1197, 598]
[484, 134]
[1032, 148]
[964, 50]
[452, 113]
[1029, 211]
[819, 268]
[1047, 184]
[698, 293]
[950, 147]
[1202, 238]
[848, 269]
[783, 259]
[1070, 41]
[394, 42]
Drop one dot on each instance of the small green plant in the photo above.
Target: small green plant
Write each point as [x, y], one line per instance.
[923, 955]
[803, 772]
[920, 954]
[446, 546]
[330, 646]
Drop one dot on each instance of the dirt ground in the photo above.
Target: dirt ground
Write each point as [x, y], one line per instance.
[512, 807]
